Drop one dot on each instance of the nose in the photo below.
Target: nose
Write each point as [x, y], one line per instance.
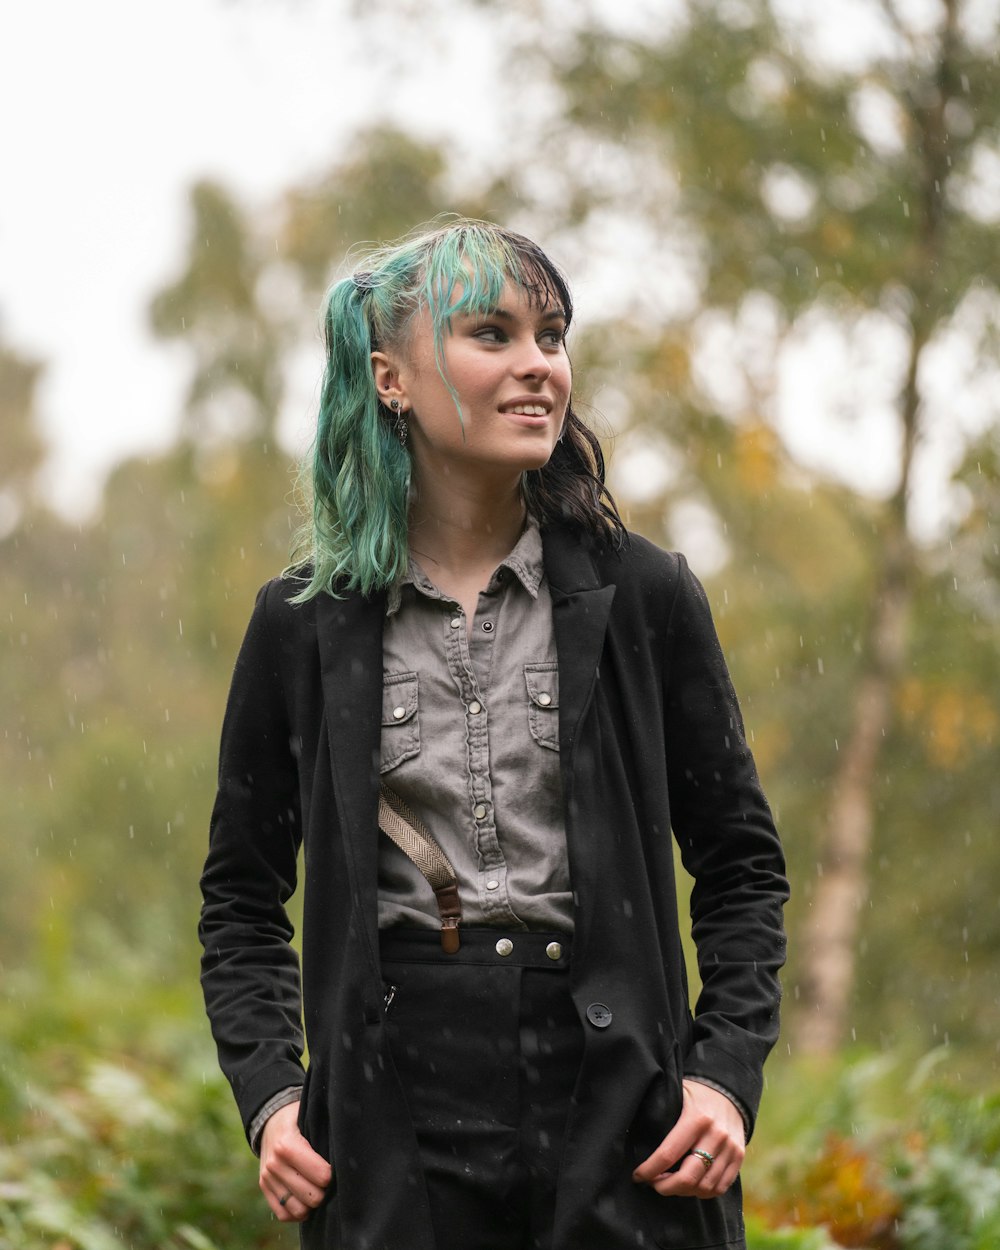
[532, 363]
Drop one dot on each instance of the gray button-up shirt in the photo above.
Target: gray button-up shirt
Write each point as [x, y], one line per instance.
[470, 740]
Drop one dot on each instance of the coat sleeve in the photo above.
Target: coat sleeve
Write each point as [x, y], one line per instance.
[730, 847]
[250, 972]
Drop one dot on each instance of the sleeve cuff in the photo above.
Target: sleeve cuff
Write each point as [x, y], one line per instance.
[291, 1093]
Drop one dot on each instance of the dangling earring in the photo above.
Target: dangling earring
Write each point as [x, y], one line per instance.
[401, 428]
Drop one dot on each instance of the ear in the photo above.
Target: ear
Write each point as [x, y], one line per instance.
[385, 371]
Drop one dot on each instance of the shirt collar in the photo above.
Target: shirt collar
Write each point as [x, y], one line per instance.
[525, 562]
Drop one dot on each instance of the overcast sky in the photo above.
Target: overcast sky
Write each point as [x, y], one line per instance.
[112, 108]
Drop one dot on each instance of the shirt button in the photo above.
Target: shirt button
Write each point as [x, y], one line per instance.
[504, 946]
[493, 885]
[399, 712]
[475, 708]
[479, 811]
[554, 950]
[599, 1015]
[544, 699]
[487, 627]
[455, 622]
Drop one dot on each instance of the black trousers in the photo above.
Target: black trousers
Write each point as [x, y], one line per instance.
[487, 1044]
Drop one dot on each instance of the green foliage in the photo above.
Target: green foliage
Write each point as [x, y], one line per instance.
[949, 1175]
[760, 1237]
[118, 1129]
[884, 1153]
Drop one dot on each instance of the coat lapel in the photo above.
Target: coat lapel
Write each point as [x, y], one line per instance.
[581, 605]
[349, 633]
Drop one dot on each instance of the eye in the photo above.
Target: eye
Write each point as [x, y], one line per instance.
[554, 338]
[490, 334]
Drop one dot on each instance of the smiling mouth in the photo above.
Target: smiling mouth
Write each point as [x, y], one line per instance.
[526, 410]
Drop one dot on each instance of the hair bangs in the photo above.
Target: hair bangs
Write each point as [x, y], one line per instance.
[467, 268]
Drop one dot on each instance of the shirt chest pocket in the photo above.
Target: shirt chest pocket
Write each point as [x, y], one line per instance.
[542, 681]
[400, 720]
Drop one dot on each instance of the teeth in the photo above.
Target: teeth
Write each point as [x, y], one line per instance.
[529, 410]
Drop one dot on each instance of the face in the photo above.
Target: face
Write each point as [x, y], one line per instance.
[513, 379]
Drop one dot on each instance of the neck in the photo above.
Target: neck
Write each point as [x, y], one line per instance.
[459, 527]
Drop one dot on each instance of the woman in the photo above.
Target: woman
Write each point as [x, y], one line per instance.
[475, 637]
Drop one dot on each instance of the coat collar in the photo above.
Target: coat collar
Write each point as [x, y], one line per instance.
[349, 634]
[581, 604]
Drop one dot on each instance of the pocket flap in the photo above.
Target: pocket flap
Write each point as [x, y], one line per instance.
[399, 698]
[543, 685]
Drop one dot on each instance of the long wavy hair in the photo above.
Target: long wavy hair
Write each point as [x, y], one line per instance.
[357, 474]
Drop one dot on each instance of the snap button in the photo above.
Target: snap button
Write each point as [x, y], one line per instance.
[479, 811]
[554, 950]
[455, 622]
[493, 885]
[545, 698]
[599, 1015]
[504, 946]
[487, 627]
[399, 712]
[475, 708]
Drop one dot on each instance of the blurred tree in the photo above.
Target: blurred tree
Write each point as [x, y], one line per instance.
[779, 192]
[119, 634]
[213, 307]
[386, 184]
[22, 447]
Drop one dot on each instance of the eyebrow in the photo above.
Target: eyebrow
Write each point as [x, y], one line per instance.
[553, 314]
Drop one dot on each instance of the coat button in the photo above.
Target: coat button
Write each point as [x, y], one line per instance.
[475, 707]
[479, 811]
[504, 946]
[399, 712]
[599, 1015]
[554, 950]
[545, 698]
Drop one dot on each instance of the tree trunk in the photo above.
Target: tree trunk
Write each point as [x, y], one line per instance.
[841, 888]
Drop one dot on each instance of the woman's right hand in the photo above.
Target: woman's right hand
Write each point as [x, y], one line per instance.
[289, 1167]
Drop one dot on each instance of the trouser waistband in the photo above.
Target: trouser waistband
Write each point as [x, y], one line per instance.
[498, 947]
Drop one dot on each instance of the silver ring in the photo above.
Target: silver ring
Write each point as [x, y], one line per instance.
[706, 1159]
[282, 1200]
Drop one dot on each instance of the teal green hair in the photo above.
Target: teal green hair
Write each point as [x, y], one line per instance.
[358, 473]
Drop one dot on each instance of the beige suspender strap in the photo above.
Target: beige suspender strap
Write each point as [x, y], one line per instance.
[398, 822]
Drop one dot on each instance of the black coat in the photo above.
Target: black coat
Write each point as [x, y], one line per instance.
[650, 737]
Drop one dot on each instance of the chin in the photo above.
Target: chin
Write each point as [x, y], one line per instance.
[526, 463]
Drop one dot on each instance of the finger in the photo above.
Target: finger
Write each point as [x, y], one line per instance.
[281, 1179]
[729, 1175]
[700, 1178]
[297, 1154]
[285, 1206]
[689, 1180]
[292, 1151]
[687, 1132]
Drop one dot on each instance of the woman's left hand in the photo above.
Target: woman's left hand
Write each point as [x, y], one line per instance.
[708, 1123]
